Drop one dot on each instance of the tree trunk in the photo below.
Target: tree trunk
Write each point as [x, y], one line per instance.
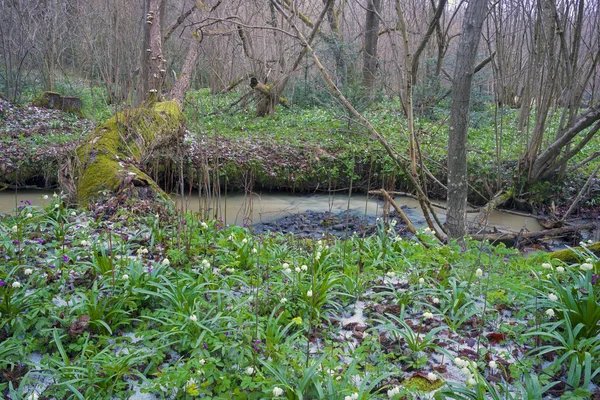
[371, 38]
[456, 218]
[266, 97]
[156, 64]
[112, 158]
[337, 44]
[184, 81]
[143, 88]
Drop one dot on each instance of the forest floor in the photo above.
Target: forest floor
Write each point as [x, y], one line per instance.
[132, 301]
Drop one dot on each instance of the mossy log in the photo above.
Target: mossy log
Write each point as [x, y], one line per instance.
[516, 238]
[56, 101]
[569, 255]
[112, 158]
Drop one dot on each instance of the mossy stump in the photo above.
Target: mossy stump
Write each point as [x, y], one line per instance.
[112, 158]
[57, 102]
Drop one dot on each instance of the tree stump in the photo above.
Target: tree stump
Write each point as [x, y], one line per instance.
[57, 102]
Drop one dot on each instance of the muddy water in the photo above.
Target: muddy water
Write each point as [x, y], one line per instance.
[268, 207]
[9, 200]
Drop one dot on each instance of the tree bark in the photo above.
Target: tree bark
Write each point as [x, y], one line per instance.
[156, 64]
[456, 218]
[370, 53]
[184, 80]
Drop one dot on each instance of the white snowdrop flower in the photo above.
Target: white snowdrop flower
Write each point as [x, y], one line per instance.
[297, 269]
[348, 398]
[85, 243]
[73, 213]
[586, 267]
[397, 239]
[590, 241]
[436, 300]
[393, 392]
[287, 271]
[318, 255]
[479, 273]
[203, 225]
[33, 396]
[493, 365]
[230, 270]
[45, 197]
[421, 280]
[309, 293]
[193, 318]
[249, 371]
[166, 261]
[550, 312]
[202, 361]
[465, 371]
[427, 230]
[459, 362]
[285, 265]
[54, 195]
[230, 237]
[254, 251]
[15, 228]
[283, 300]
[354, 396]
[304, 268]
[29, 215]
[244, 240]
[393, 222]
[471, 381]
[547, 266]
[432, 377]
[28, 271]
[56, 205]
[588, 260]
[277, 391]
[391, 273]
[16, 285]
[125, 277]
[427, 315]
[552, 297]
[365, 335]
[560, 269]
[582, 244]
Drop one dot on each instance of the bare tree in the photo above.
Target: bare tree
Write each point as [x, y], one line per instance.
[370, 63]
[456, 216]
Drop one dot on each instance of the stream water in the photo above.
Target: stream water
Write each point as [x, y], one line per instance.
[270, 207]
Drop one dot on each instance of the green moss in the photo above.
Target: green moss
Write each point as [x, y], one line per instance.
[419, 383]
[570, 255]
[109, 159]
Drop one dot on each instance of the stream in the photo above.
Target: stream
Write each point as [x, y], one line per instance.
[287, 212]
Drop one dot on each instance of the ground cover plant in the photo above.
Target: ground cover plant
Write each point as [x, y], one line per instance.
[119, 301]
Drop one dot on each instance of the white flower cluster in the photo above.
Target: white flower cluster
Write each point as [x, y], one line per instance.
[466, 368]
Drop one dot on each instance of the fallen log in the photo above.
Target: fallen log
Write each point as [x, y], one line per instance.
[513, 239]
[570, 255]
[112, 158]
